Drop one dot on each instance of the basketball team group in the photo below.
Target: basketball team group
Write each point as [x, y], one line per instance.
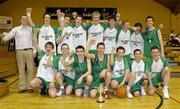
[77, 56]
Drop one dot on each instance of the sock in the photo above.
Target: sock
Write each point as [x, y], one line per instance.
[86, 87]
[165, 87]
[62, 87]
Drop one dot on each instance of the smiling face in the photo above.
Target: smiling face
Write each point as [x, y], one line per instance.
[155, 53]
[149, 22]
[65, 49]
[67, 20]
[78, 20]
[47, 18]
[137, 55]
[24, 20]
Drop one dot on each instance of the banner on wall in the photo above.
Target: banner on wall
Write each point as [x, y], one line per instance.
[85, 12]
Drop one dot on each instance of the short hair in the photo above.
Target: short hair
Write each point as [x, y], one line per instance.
[46, 14]
[137, 50]
[79, 16]
[64, 44]
[96, 13]
[100, 43]
[125, 21]
[112, 18]
[79, 47]
[120, 48]
[150, 17]
[23, 15]
[49, 43]
[138, 24]
[155, 47]
[67, 15]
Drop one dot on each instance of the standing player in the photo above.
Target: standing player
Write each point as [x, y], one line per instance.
[123, 38]
[137, 41]
[110, 34]
[79, 33]
[96, 29]
[47, 33]
[158, 72]
[152, 37]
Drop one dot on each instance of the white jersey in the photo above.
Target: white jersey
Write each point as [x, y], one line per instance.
[110, 39]
[67, 39]
[45, 72]
[62, 69]
[79, 37]
[139, 69]
[137, 42]
[124, 41]
[46, 35]
[157, 67]
[97, 32]
[118, 70]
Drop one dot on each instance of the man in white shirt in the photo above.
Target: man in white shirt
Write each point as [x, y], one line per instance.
[23, 37]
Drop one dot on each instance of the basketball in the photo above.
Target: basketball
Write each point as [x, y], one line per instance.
[121, 92]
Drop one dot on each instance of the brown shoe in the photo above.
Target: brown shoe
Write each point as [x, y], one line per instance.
[30, 91]
[22, 91]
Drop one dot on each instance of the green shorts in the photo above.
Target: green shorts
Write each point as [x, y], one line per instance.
[156, 79]
[118, 79]
[44, 82]
[79, 86]
[96, 83]
[137, 86]
[68, 81]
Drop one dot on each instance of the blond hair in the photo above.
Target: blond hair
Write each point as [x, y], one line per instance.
[96, 14]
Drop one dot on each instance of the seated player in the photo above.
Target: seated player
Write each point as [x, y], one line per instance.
[158, 72]
[100, 68]
[65, 72]
[46, 71]
[120, 70]
[82, 68]
[137, 67]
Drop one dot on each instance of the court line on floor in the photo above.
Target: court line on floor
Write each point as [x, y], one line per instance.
[161, 98]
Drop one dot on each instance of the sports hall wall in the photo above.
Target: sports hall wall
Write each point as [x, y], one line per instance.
[133, 10]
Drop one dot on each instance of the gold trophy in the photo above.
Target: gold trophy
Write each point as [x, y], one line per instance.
[100, 90]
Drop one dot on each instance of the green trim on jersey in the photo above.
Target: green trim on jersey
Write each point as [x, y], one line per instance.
[150, 39]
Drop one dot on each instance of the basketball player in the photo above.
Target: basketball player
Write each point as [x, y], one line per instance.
[47, 68]
[120, 70]
[96, 29]
[47, 32]
[137, 41]
[137, 67]
[110, 34]
[100, 68]
[82, 68]
[158, 72]
[152, 37]
[65, 71]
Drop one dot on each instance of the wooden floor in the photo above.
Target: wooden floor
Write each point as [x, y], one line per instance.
[13, 100]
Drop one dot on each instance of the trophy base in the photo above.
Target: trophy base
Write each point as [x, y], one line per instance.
[100, 101]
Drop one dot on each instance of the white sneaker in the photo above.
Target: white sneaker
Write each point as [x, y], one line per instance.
[143, 92]
[60, 93]
[129, 95]
[165, 94]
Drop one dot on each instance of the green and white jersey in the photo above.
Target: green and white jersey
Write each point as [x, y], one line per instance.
[155, 67]
[137, 42]
[119, 68]
[62, 69]
[124, 41]
[47, 34]
[138, 68]
[96, 31]
[67, 39]
[80, 68]
[45, 72]
[79, 37]
[110, 39]
[150, 39]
